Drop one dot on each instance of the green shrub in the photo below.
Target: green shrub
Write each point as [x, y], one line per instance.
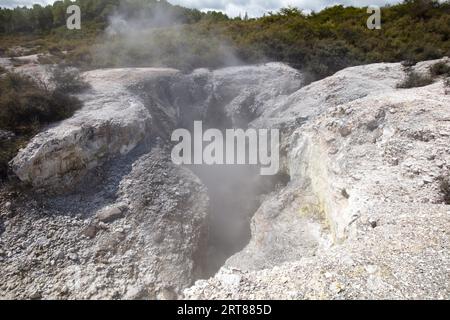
[414, 80]
[440, 69]
[55, 51]
[447, 85]
[47, 59]
[67, 80]
[5, 155]
[407, 64]
[445, 189]
[8, 149]
[27, 105]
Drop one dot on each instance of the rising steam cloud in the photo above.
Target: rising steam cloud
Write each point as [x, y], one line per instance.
[160, 37]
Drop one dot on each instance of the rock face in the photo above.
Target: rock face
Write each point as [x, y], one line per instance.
[145, 243]
[362, 215]
[134, 225]
[127, 107]
[110, 214]
[367, 171]
[347, 85]
[111, 122]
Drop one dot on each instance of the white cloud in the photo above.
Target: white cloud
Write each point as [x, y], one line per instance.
[20, 3]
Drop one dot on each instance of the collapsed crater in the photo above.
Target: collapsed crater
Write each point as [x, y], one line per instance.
[224, 99]
[351, 214]
[178, 224]
[235, 191]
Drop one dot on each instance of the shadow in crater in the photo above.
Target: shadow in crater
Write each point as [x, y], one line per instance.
[235, 192]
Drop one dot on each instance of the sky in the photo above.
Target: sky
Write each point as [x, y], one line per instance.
[256, 8]
[233, 8]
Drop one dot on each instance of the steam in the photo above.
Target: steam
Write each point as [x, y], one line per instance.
[126, 24]
[159, 36]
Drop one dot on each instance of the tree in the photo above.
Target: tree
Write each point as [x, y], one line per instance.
[59, 13]
[290, 12]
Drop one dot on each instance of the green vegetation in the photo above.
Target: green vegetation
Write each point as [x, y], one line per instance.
[322, 42]
[8, 149]
[67, 80]
[414, 80]
[40, 20]
[440, 69]
[447, 85]
[26, 105]
[445, 189]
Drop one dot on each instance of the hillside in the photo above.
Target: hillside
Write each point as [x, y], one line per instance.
[171, 36]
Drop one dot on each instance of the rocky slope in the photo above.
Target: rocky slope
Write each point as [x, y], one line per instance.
[109, 215]
[368, 170]
[128, 106]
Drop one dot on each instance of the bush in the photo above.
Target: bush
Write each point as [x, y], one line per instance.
[445, 189]
[27, 105]
[5, 156]
[414, 80]
[407, 64]
[47, 59]
[8, 149]
[447, 85]
[440, 69]
[67, 80]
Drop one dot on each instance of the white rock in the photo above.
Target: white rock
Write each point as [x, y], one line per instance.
[371, 269]
[230, 281]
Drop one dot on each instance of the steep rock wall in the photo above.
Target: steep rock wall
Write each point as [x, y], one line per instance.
[372, 169]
